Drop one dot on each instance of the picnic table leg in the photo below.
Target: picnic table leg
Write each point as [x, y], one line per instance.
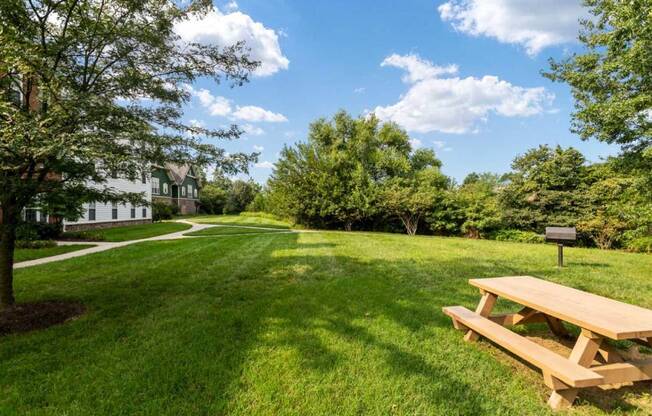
[583, 353]
[556, 326]
[484, 309]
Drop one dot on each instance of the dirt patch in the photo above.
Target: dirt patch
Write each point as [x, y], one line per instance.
[38, 315]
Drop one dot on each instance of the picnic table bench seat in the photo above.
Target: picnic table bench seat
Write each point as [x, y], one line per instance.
[547, 361]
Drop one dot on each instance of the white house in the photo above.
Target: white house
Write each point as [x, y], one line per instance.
[101, 215]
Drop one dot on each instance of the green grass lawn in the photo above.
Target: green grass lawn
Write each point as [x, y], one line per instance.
[244, 220]
[322, 323]
[229, 230]
[24, 254]
[135, 232]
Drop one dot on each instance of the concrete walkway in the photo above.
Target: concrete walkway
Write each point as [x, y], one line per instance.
[103, 246]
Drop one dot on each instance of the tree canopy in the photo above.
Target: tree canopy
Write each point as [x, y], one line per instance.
[95, 89]
[612, 80]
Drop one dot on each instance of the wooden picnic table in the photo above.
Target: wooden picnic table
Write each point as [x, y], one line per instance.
[592, 361]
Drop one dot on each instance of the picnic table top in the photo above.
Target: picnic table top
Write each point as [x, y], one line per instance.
[604, 316]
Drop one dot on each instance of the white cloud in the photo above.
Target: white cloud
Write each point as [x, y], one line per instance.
[222, 29]
[231, 6]
[417, 69]
[454, 104]
[220, 106]
[253, 130]
[416, 143]
[359, 90]
[216, 105]
[258, 148]
[255, 113]
[532, 24]
[264, 165]
[441, 145]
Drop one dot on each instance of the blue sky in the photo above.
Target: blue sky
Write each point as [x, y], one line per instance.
[462, 76]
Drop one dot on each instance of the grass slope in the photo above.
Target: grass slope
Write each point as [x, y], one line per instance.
[25, 254]
[231, 230]
[137, 232]
[250, 221]
[287, 324]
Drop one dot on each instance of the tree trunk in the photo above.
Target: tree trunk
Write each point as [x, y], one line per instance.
[7, 246]
[348, 225]
[411, 223]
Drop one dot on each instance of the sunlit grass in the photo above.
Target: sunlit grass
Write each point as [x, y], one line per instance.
[242, 220]
[321, 323]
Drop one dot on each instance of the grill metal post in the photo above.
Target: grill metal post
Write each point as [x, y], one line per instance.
[562, 236]
[560, 255]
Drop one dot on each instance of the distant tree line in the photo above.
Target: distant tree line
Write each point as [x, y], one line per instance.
[223, 195]
[360, 174]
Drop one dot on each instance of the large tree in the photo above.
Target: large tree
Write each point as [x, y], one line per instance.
[417, 191]
[546, 187]
[612, 80]
[478, 199]
[331, 179]
[95, 88]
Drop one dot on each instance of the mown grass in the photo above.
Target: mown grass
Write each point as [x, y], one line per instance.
[293, 324]
[25, 254]
[232, 230]
[131, 232]
[243, 220]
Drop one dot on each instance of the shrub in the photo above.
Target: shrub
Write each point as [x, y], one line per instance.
[35, 243]
[212, 199]
[33, 231]
[162, 211]
[83, 235]
[26, 232]
[517, 236]
[605, 230]
[640, 245]
[259, 204]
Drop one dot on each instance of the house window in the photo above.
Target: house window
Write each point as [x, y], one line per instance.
[189, 191]
[183, 191]
[30, 215]
[195, 193]
[91, 211]
[165, 189]
[43, 217]
[155, 186]
[133, 211]
[144, 212]
[114, 211]
[143, 177]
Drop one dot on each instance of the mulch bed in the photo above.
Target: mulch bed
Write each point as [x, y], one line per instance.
[37, 315]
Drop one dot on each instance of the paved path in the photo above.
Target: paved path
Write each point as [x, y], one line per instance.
[103, 246]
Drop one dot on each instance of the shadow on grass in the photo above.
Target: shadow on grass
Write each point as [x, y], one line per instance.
[181, 323]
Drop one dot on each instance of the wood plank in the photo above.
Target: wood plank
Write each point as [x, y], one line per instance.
[485, 306]
[570, 373]
[583, 353]
[618, 373]
[608, 317]
[556, 326]
[524, 316]
[610, 354]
